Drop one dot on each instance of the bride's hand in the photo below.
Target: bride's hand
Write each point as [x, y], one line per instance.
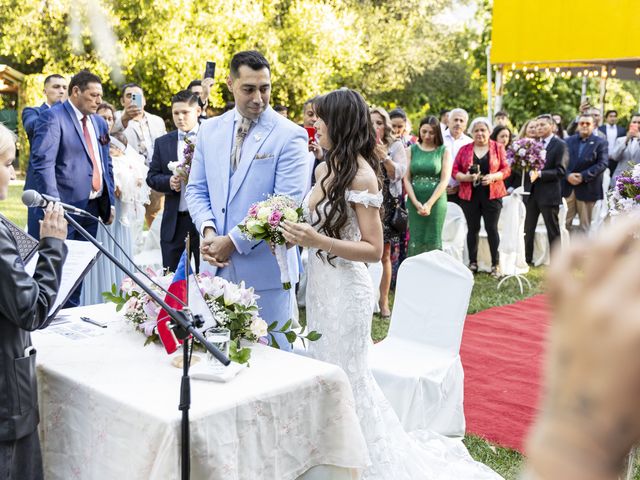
[301, 234]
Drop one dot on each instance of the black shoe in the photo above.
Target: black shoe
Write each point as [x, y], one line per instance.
[473, 266]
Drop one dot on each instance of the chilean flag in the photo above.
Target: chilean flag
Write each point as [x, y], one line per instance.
[178, 288]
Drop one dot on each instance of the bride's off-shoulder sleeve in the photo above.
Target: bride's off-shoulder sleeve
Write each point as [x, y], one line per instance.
[365, 198]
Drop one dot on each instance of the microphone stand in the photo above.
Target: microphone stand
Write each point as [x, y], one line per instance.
[185, 325]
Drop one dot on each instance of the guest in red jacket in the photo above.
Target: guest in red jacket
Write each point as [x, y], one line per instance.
[481, 167]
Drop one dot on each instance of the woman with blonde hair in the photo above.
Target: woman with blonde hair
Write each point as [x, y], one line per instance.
[25, 302]
[528, 129]
[394, 167]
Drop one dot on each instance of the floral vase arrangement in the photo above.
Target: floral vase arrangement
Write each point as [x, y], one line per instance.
[233, 307]
[525, 155]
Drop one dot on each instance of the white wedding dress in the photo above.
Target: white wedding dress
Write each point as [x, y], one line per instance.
[339, 305]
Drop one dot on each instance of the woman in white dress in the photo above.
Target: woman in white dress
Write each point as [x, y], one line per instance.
[344, 230]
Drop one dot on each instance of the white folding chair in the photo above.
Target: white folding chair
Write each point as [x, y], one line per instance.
[454, 232]
[418, 365]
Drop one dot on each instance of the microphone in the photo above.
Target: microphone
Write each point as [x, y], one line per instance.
[31, 198]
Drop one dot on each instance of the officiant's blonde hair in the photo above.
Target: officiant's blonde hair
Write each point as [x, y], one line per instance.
[7, 142]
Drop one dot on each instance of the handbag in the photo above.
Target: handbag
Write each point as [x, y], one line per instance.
[400, 217]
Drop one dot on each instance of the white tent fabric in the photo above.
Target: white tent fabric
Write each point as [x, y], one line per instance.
[454, 232]
[418, 365]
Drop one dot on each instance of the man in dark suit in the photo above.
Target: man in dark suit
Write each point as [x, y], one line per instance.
[588, 158]
[70, 158]
[172, 147]
[545, 186]
[55, 90]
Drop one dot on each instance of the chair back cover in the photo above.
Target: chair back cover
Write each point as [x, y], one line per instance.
[511, 226]
[454, 232]
[432, 297]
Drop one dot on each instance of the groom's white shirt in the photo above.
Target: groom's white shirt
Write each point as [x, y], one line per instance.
[273, 161]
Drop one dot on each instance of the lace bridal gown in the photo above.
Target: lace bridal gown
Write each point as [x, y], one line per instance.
[340, 306]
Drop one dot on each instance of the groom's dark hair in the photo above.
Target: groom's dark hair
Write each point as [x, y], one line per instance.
[251, 58]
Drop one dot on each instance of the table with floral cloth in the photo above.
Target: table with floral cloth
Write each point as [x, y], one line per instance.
[109, 410]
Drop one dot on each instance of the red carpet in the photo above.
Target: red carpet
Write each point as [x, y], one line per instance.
[501, 352]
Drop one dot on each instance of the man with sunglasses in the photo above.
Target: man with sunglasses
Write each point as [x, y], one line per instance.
[588, 159]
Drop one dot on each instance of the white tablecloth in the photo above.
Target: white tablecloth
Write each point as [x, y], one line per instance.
[109, 410]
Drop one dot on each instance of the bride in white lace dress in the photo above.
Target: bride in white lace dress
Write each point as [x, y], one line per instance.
[344, 231]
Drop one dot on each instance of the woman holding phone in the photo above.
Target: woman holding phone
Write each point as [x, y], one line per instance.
[394, 167]
[25, 302]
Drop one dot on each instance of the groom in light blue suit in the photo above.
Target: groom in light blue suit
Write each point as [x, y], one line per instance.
[233, 168]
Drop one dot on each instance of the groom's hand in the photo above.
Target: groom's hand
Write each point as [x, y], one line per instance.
[216, 249]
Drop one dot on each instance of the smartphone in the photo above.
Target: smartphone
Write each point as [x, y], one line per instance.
[136, 100]
[311, 131]
[210, 70]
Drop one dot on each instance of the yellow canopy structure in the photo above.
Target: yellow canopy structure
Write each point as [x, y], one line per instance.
[553, 33]
[588, 38]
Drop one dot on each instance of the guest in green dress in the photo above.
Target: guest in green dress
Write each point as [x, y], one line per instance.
[426, 183]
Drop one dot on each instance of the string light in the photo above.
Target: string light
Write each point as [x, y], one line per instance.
[613, 72]
[638, 71]
[535, 69]
[524, 69]
[557, 69]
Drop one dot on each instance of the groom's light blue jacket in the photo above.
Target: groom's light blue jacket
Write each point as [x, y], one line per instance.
[273, 162]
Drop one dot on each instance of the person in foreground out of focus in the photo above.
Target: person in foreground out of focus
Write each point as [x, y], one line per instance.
[589, 419]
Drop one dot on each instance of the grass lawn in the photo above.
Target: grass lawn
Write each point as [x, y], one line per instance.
[12, 207]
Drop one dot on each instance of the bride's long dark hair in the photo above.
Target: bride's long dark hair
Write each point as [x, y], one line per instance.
[351, 132]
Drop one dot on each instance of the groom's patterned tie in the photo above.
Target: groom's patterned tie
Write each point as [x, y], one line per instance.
[241, 133]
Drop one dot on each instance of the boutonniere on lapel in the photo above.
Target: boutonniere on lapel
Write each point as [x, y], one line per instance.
[104, 139]
[257, 137]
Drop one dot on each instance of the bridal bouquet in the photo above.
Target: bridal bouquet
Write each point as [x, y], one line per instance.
[183, 168]
[526, 154]
[625, 196]
[263, 222]
[233, 306]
